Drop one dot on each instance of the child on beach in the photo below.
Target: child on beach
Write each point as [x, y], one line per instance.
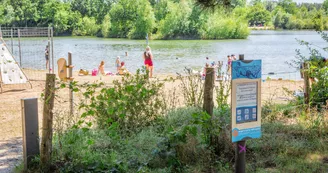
[101, 68]
[118, 64]
[123, 70]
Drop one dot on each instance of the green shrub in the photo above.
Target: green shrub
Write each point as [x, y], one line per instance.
[132, 103]
[317, 71]
[192, 88]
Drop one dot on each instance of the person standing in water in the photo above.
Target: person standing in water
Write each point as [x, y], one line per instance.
[148, 60]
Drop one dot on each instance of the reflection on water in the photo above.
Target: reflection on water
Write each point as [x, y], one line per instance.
[171, 56]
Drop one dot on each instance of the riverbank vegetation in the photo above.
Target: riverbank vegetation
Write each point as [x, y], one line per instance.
[165, 19]
[134, 126]
[131, 127]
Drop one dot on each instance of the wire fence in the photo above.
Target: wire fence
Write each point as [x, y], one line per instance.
[282, 86]
[29, 48]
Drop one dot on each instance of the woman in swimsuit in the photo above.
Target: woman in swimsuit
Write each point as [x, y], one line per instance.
[148, 59]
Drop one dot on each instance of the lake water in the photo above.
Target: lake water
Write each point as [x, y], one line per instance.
[275, 48]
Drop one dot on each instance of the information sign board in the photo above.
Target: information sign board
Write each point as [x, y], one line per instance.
[246, 100]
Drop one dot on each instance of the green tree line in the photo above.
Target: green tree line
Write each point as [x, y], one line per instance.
[286, 14]
[160, 19]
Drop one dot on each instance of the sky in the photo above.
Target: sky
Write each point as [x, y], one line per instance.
[309, 1]
[301, 1]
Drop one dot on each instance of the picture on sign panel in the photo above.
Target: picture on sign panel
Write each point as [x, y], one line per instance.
[246, 102]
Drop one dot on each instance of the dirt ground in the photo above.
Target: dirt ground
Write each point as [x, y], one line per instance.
[11, 118]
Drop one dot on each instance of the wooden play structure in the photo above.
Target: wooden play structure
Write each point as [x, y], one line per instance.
[10, 71]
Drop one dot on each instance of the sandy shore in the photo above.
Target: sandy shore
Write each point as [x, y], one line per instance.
[10, 108]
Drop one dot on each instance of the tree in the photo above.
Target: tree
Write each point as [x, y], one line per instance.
[270, 5]
[61, 18]
[82, 6]
[238, 3]
[86, 26]
[258, 15]
[197, 19]
[144, 22]
[213, 4]
[318, 21]
[161, 9]
[288, 5]
[7, 15]
[325, 6]
[176, 23]
[131, 18]
[303, 12]
[105, 26]
[25, 11]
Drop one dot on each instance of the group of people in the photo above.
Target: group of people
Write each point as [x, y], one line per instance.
[122, 70]
[219, 64]
[230, 59]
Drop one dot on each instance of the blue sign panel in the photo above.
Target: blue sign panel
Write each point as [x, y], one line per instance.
[246, 70]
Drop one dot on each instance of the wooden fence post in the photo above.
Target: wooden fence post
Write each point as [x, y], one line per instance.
[208, 91]
[208, 104]
[306, 83]
[46, 140]
[30, 126]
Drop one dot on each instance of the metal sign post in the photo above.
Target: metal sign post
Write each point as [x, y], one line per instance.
[30, 130]
[245, 106]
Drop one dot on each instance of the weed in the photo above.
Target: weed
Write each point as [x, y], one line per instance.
[192, 88]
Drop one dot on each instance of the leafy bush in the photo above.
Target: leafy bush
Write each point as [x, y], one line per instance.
[317, 71]
[192, 88]
[132, 103]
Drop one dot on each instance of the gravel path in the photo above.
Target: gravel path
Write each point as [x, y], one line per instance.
[10, 154]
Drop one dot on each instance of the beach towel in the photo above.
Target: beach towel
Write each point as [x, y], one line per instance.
[94, 72]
